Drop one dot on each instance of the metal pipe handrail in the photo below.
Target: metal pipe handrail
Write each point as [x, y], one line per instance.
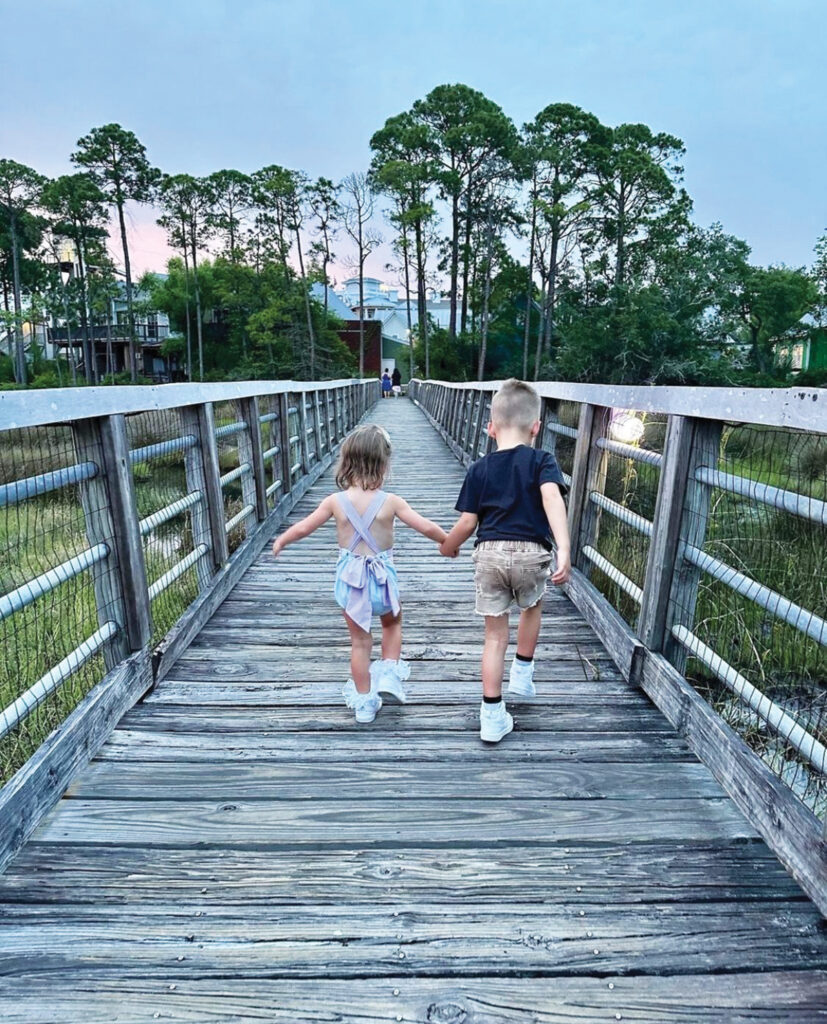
[239, 517]
[234, 474]
[271, 453]
[781, 607]
[630, 451]
[561, 428]
[170, 447]
[33, 486]
[788, 501]
[231, 428]
[614, 574]
[23, 706]
[779, 721]
[168, 512]
[625, 515]
[171, 575]
[28, 593]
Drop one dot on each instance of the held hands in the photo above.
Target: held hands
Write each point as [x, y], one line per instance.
[448, 552]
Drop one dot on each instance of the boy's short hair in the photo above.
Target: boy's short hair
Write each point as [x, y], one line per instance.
[516, 404]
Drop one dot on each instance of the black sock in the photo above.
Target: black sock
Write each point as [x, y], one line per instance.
[522, 657]
[492, 700]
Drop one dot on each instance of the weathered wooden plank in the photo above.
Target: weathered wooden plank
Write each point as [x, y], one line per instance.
[577, 876]
[731, 998]
[563, 689]
[351, 742]
[306, 823]
[360, 941]
[40, 783]
[380, 780]
[790, 828]
[416, 719]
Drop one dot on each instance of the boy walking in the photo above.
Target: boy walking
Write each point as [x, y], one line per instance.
[513, 498]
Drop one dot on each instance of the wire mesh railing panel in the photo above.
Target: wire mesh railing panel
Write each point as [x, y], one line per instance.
[271, 446]
[761, 572]
[624, 507]
[310, 431]
[159, 447]
[235, 471]
[560, 434]
[294, 436]
[43, 526]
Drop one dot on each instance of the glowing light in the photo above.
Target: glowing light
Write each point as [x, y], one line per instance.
[626, 427]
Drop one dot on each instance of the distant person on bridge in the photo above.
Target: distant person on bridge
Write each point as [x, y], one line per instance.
[396, 380]
[386, 384]
[366, 580]
[513, 498]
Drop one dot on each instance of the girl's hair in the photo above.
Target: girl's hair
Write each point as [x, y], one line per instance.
[364, 458]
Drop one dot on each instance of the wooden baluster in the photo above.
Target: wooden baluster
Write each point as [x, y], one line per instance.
[317, 425]
[110, 512]
[254, 483]
[588, 475]
[200, 421]
[199, 513]
[705, 451]
[285, 454]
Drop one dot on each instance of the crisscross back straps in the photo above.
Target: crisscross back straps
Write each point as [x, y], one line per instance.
[362, 523]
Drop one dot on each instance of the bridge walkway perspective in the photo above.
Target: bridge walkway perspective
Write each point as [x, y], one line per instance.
[240, 849]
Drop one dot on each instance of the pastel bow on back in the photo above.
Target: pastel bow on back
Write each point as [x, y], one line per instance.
[356, 574]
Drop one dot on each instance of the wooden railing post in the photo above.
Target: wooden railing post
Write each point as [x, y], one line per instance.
[110, 511]
[663, 544]
[317, 425]
[284, 444]
[588, 475]
[250, 449]
[304, 446]
[683, 594]
[199, 420]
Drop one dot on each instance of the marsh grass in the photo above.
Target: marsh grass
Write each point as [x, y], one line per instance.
[38, 534]
[780, 550]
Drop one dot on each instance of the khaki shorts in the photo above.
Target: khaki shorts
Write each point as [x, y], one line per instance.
[509, 571]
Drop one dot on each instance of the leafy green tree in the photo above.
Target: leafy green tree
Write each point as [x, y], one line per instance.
[771, 303]
[117, 161]
[358, 208]
[404, 168]
[559, 147]
[79, 208]
[20, 188]
[324, 209]
[466, 129]
[637, 201]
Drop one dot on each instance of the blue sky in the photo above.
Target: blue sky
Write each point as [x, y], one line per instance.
[212, 84]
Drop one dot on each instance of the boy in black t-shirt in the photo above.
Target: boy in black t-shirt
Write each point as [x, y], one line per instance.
[513, 498]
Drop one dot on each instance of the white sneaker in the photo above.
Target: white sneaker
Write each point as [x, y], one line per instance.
[521, 679]
[387, 676]
[366, 706]
[495, 722]
[365, 709]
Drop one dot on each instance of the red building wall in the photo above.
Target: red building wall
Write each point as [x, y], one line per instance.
[373, 344]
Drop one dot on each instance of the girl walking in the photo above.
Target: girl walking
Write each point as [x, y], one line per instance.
[366, 582]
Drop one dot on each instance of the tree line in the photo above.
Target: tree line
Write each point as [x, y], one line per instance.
[565, 247]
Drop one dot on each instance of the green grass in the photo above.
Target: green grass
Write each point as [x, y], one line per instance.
[780, 550]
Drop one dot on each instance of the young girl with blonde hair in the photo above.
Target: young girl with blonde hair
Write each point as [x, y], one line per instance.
[366, 582]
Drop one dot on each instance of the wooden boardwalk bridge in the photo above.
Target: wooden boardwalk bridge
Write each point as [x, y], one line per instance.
[239, 849]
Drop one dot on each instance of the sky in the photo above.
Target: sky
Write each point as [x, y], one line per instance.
[209, 84]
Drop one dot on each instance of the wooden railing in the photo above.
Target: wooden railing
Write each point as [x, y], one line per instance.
[202, 472]
[654, 492]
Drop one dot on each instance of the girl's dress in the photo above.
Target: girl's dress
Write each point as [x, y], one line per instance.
[365, 585]
[386, 383]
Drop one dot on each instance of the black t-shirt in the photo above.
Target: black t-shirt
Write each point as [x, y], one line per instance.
[503, 490]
